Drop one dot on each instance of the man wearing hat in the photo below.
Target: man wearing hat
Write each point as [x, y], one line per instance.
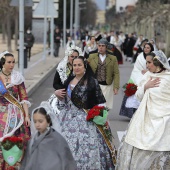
[105, 67]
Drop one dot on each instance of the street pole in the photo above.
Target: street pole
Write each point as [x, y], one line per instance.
[52, 36]
[45, 28]
[64, 24]
[21, 36]
[71, 18]
[76, 17]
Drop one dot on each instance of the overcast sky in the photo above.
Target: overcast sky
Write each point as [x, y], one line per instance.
[101, 4]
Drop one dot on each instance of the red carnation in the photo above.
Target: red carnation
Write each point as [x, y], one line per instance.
[130, 89]
[95, 111]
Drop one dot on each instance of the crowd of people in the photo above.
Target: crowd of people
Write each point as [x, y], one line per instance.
[59, 135]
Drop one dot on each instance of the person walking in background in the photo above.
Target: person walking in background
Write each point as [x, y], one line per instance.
[90, 46]
[85, 38]
[70, 42]
[57, 41]
[29, 42]
[47, 141]
[146, 143]
[139, 49]
[14, 115]
[129, 43]
[105, 67]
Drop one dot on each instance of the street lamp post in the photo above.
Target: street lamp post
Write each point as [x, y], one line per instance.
[21, 36]
[71, 18]
[76, 17]
[45, 28]
[64, 23]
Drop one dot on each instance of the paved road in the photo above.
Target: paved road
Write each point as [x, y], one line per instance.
[117, 122]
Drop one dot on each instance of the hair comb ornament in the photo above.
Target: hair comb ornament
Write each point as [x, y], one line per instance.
[70, 50]
[3, 53]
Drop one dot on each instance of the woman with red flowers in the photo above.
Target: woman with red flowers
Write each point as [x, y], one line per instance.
[88, 144]
[130, 103]
[14, 115]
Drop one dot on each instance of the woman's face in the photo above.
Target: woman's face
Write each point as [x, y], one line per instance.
[149, 64]
[40, 122]
[92, 40]
[9, 64]
[72, 56]
[147, 49]
[78, 67]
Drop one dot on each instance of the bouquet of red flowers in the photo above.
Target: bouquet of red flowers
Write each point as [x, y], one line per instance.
[130, 89]
[12, 149]
[98, 114]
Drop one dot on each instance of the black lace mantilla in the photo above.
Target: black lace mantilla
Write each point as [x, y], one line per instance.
[87, 94]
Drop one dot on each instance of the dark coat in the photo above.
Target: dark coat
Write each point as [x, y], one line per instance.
[128, 45]
[49, 152]
[28, 40]
[57, 37]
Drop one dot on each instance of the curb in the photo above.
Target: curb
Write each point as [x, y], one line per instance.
[31, 90]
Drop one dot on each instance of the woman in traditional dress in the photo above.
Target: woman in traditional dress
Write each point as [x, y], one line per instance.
[63, 70]
[146, 144]
[86, 142]
[90, 47]
[14, 116]
[130, 104]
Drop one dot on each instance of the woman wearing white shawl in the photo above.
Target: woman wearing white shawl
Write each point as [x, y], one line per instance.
[146, 144]
[130, 104]
[63, 70]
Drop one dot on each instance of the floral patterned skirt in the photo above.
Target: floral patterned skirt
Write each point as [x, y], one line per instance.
[86, 143]
[23, 132]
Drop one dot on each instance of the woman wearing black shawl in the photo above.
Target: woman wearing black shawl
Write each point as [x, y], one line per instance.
[87, 144]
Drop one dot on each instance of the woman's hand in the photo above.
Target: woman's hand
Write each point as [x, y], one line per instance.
[27, 121]
[144, 71]
[115, 91]
[61, 93]
[152, 83]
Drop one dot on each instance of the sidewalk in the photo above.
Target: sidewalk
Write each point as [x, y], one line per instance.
[39, 68]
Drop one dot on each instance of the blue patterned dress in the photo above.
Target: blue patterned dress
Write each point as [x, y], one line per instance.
[86, 143]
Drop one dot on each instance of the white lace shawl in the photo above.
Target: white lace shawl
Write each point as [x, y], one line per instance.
[62, 66]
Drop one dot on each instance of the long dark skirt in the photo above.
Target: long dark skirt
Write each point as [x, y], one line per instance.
[124, 111]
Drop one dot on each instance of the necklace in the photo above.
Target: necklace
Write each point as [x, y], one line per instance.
[7, 76]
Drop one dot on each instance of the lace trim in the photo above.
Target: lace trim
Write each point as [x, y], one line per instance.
[16, 79]
[27, 102]
[12, 116]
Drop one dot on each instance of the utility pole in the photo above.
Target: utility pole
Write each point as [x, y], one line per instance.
[76, 17]
[45, 28]
[64, 23]
[71, 18]
[21, 36]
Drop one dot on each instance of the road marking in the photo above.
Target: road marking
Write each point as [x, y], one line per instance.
[120, 134]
